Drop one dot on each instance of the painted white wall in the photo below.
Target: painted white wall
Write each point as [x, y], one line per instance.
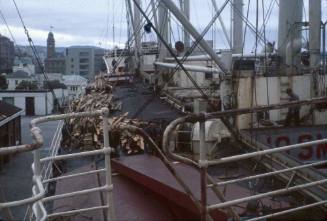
[28, 68]
[268, 92]
[148, 61]
[301, 85]
[51, 77]
[13, 82]
[182, 80]
[43, 101]
[61, 94]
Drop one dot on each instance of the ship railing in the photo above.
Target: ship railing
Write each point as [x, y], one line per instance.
[39, 197]
[203, 163]
[53, 151]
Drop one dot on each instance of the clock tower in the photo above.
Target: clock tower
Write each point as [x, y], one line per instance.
[51, 46]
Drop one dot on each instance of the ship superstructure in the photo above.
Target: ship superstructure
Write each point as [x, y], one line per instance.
[213, 145]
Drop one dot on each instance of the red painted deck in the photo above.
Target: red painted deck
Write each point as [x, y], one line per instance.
[146, 190]
[151, 173]
[131, 202]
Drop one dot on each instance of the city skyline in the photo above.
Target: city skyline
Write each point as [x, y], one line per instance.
[91, 23]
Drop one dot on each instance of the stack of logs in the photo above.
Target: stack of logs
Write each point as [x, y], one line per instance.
[86, 133]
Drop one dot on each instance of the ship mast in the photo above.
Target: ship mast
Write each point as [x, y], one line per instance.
[314, 32]
[163, 29]
[237, 26]
[138, 38]
[290, 16]
[185, 6]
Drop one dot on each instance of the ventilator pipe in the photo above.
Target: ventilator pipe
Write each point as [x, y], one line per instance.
[167, 163]
[193, 118]
[292, 48]
[163, 158]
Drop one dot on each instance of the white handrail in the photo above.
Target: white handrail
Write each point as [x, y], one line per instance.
[269, 173]
[38, 188]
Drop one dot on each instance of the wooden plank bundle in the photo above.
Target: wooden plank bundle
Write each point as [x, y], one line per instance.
[86, 133]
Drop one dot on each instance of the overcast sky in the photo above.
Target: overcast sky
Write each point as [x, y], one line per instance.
[90, 22]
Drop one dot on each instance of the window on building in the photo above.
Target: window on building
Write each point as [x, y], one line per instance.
[84, 60]
[208, 75]
[83, 67]
[84, 53]
[16, 82]
[73, 88]
[72, 60]
[9, 100]
[83, 73]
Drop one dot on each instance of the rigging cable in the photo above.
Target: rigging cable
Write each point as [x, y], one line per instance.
[242, 54]
[180, 62]
[265, 21]
[132, 38]
[265, 50]
[248, 23]
[31, 43]
[14, 40]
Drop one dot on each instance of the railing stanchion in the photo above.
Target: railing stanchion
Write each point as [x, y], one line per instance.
[203, 171]
[37, 175]
[110, 211]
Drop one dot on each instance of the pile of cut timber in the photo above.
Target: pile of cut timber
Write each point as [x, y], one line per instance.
[86, 133]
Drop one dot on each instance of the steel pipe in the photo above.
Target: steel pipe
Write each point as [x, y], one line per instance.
[39, 120]
[289, 211]
[76, 211]
[36, 133]
[107, 149]
[77, 193]
[264, 152]
[193, 118]
[203, 171]
[206, 57]
[74, 155]
[263, 195]
[73, 175]
[268, 174]
[190, 28]
[194, 68]
[30, 200]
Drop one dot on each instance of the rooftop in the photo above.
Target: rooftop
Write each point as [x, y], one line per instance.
[18, 74]
[6, 110]
[74, 80]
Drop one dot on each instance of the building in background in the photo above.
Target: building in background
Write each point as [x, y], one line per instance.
[80, 61]
[51, 46]
[99, 64]
[14, 79]
[75, 85]
[50, 77]
[32, 102]
[10, 128]
[28, 68]
[7, 54]
[54, 63]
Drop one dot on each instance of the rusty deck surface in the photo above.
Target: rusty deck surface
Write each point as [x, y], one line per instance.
[150, 172]
[82, 201]
[131, 202]
[144, 189]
